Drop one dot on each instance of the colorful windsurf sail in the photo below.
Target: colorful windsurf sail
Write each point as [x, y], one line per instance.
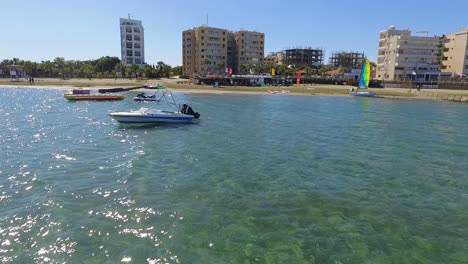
[365, 75]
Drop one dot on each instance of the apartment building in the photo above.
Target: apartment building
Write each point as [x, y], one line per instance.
[403, 56]
[249, 48]
[274, 58]
[204, 50]
[209, 50]
[132, 42]
[455, 53]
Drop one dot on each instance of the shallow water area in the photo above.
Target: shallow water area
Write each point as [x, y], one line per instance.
[259, 179]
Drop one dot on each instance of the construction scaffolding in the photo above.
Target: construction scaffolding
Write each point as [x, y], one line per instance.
[303, 56]
[347, 60]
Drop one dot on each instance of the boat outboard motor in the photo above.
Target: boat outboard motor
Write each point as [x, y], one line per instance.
[186, 109]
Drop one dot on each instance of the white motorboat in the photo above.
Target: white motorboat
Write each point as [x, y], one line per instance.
[184, 114]
[152, 116]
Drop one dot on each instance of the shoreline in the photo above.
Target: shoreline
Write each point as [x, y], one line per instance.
[301, 90]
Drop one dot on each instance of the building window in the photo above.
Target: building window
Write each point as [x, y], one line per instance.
[129, 53]
[128, 29]
[128, 45]
[137, 53]
[137, 45]
[129, 61]
[135, 29]
[136, 37]
[137, 61]
[128, 37]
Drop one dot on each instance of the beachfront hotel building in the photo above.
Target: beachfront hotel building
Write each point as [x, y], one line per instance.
[209, 50]
[455, 53]
[402, 56]
[132, 42]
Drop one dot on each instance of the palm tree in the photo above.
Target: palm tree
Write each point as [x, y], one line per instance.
[307, 70]
[134, 69]
[120, 68]
[148, 70]
[220, 67]
[244, 67]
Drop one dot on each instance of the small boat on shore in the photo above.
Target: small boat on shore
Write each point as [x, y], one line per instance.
[86, 95]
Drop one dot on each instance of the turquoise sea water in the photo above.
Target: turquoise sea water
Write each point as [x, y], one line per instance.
[260, 179]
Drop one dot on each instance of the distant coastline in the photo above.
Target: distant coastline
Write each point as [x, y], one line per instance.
[305, 89]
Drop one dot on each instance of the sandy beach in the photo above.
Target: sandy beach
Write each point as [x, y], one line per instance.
[303, 89]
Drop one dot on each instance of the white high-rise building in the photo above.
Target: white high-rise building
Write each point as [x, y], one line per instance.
[132, 41]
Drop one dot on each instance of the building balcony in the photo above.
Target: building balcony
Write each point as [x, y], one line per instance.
[417, 47]
[417, 56]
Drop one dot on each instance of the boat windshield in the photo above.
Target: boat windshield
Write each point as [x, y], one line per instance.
[164, 96]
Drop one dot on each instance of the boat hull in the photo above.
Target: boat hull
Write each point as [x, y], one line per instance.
[150, 118]
[363, 94]
[142, 99]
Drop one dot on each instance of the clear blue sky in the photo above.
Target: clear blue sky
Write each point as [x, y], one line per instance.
[88, 29]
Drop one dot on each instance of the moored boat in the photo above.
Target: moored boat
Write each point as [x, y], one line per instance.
[151, 116]
[146, 98]
[85, 94]
[177, 114]
[363, 82]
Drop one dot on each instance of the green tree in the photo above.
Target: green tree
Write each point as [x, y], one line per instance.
[59, 64]
[220, 67]
[177, 71]
[134, 69]
[106, 64]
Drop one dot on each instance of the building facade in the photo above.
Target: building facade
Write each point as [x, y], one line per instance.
[347, 60]
[274, 58]
[208, 50]
[249, 49]
[402, 56]
[306, 56]
[455, 53]
[132, 42]
[204, 50]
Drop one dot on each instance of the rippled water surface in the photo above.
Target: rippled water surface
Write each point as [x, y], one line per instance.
[260, 179]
